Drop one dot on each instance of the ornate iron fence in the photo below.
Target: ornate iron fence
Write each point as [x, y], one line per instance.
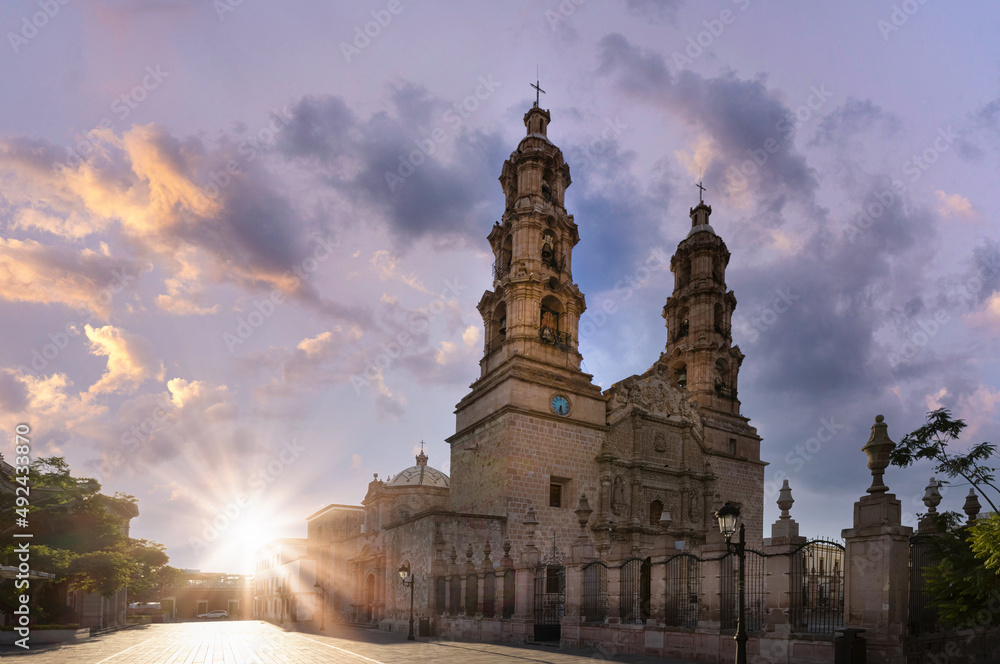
[754, 590]
[682, 607]
[635, 591]
[594, 607]
[817, 586]
[923, 616]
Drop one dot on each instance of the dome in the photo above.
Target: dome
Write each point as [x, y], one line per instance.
[420, 475]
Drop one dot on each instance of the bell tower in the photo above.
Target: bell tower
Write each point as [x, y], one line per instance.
[534, 308]
[699, 350]
[529, 428]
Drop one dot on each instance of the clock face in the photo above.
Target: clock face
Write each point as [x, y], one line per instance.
[560, 405]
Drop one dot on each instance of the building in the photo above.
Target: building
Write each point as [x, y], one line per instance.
[546, 468]
[284, 582]
[202, 592]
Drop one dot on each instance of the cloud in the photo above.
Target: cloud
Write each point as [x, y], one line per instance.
[130, 359]
[447, 169]
[853, 117]
[84, 280]
[751, 130]
[954, 205]
[202, 213]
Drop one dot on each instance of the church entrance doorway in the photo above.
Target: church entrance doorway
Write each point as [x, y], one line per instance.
[369, 598]
[550, 601]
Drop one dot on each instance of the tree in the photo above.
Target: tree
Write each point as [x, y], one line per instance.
[79, 537]
[965, 583]
[931, 442]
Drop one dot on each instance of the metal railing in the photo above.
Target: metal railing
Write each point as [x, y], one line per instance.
[923, 616]
[595, 593]
[817, 586]
[555, 338]
[725, 391]
[683, 604]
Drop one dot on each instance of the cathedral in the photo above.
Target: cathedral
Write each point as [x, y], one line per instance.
[561, 496]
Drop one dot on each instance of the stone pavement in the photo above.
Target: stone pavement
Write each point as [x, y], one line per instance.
[255, 642]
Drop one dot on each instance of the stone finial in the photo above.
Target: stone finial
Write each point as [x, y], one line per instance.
[506, 549]
[972, 506]
[583, 511]
[487, 550]
[531, 523]
[454, 554]
[932, 497]
[468, 553]
[785, 500]
[877, 450]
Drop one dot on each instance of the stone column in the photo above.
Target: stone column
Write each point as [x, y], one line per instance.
[781, 596]
[876, 568]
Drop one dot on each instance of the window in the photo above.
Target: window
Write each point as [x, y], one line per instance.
[655, 512]
[555, 494]
[732, 446]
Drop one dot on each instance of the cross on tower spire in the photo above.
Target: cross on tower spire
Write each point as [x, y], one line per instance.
[538, 90]
[701, 192]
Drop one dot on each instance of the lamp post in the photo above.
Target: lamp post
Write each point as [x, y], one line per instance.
[321, 591]
[727, 516]
[407, 578]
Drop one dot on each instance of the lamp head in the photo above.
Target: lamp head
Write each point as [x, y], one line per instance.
[727, 516]
[665, 520]
[404, 571]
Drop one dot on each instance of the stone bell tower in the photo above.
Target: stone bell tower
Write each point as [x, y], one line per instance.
[702, 361]
[699, 347]
[528, 431]
[534, 308]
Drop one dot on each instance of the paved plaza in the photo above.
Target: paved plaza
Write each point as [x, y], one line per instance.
[254, 642]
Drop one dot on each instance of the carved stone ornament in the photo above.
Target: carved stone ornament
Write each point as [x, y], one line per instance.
[619, 497]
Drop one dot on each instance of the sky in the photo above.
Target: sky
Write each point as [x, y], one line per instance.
[242, 241]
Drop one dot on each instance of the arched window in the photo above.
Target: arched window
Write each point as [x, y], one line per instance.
[680, 375]
[550, 320]
[682, 324]
[655, 512]
[498, 326]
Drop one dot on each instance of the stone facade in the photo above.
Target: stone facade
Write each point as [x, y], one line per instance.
[548, 472]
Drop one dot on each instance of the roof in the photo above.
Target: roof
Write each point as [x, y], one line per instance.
[420, 475]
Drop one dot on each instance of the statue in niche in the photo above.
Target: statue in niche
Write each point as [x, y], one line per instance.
[694, 511]
[619, 501]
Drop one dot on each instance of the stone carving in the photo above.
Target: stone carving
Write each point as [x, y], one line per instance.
[654, 394]
[695, 510]
[660, 444]
[619, 497]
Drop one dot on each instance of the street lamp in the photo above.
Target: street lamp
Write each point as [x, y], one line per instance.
[407, 578]
[321, 591]
[727, 516]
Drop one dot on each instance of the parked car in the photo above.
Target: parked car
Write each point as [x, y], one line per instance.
[217, 614]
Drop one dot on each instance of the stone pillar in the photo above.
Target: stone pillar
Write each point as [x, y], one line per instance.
[876, 591]
[781, 596]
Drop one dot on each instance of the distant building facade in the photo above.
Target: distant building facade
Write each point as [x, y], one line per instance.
[284, 582]
[201, 592]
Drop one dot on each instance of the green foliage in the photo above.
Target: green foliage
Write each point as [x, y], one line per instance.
[966, 592]
[103, 572]
[931, 442]
[965, 583]
[79, 537]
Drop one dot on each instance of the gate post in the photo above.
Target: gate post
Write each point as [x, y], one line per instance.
[876, 592]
